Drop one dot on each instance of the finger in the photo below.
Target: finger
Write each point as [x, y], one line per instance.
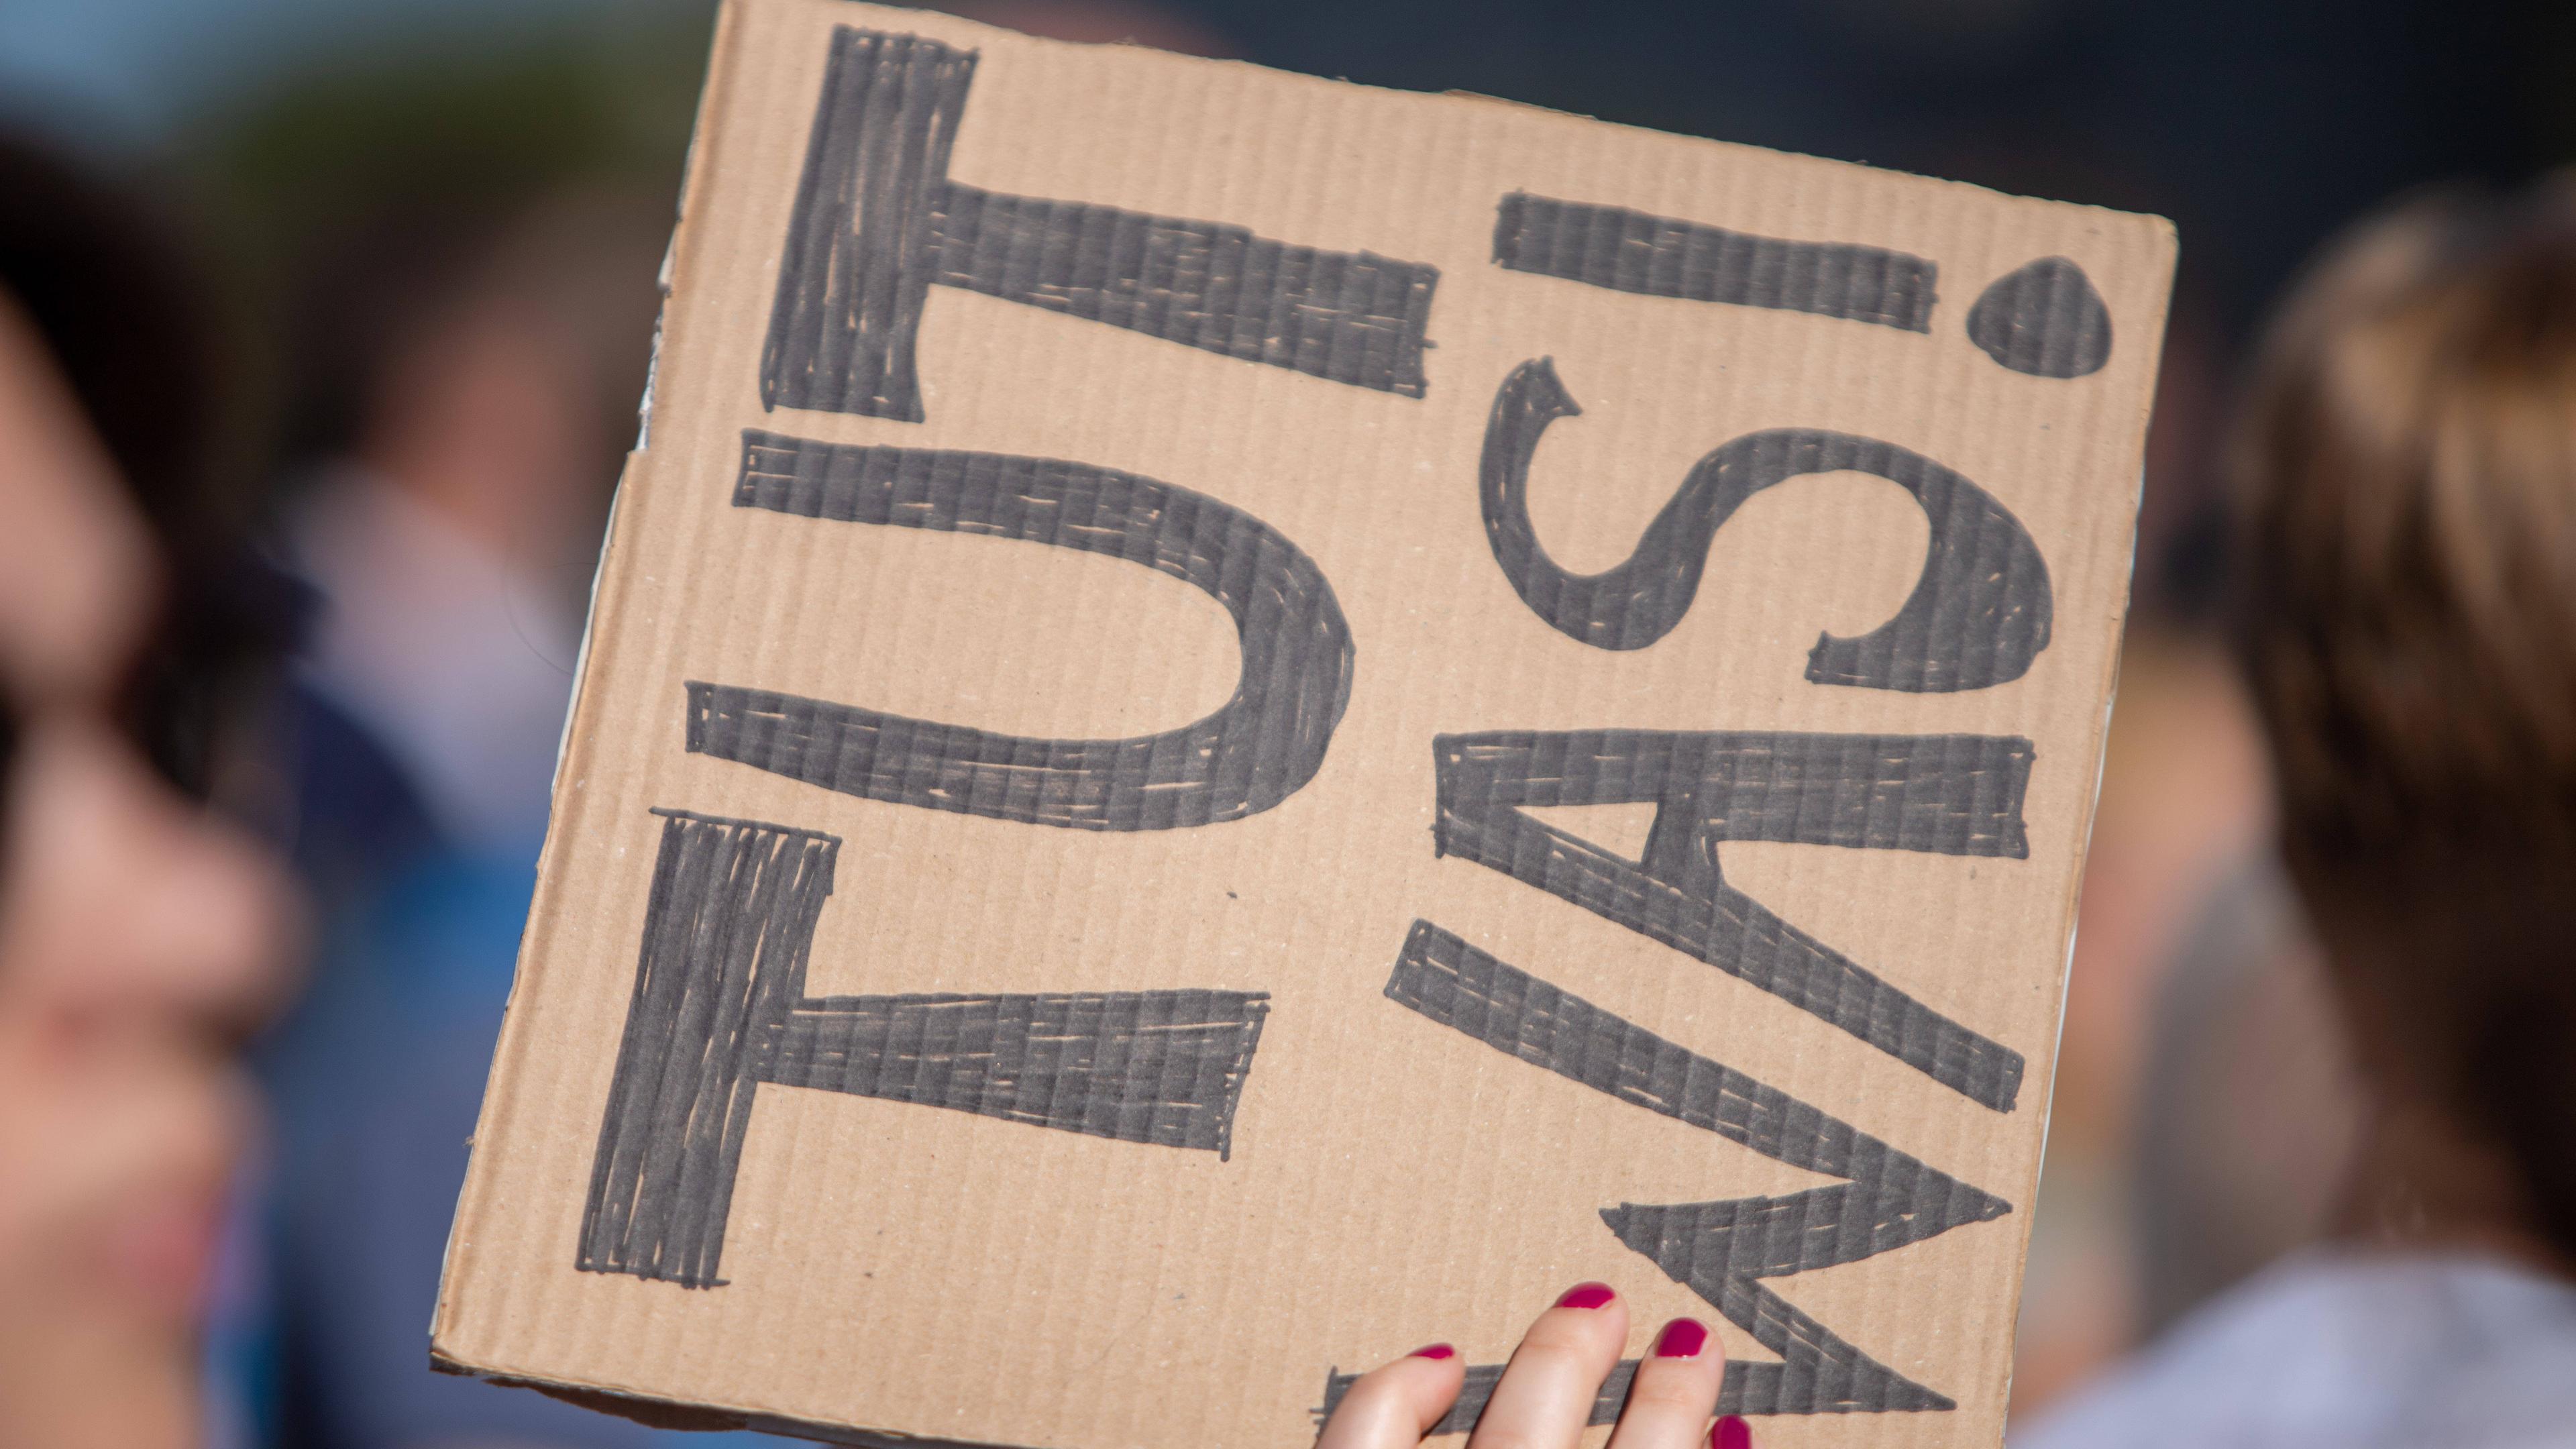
[1731, 1433]
[1675, 1390]
[1544, 1398]
[1393, 1406]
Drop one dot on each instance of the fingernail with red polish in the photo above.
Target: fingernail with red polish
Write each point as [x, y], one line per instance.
[1586, 1295]
[1433, 1350]
[1681, 1338]
[1731, 1433]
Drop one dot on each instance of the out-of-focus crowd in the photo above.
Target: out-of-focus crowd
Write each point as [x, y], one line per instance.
[310, 415]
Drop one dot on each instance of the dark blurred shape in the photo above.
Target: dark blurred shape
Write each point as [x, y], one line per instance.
[127, 310]
[129, 323]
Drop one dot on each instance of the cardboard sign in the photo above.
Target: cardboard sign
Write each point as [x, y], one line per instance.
[1233, 723]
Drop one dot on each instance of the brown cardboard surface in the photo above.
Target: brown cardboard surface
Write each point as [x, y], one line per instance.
[1099, 1079]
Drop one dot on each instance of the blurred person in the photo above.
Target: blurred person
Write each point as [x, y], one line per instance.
[141, 939]
[469, 386]
[469, 380]
[2406, 617]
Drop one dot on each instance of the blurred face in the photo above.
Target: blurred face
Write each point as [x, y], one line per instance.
[139, 939]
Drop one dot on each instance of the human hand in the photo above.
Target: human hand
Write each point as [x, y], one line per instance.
[1545, 1396]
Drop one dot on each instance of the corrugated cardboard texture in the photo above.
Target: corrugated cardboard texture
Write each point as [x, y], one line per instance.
[1207, 753]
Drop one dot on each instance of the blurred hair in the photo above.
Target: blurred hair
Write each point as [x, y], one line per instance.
[124, 312]
[124, 317]
[371, 199]
[377, 282]
[579, 260]
[2406, 614]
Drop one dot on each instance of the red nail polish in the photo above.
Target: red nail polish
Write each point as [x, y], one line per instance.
[1586, 1295]
[1433, 1350]
[1681, 1338]
[1731, 1433]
